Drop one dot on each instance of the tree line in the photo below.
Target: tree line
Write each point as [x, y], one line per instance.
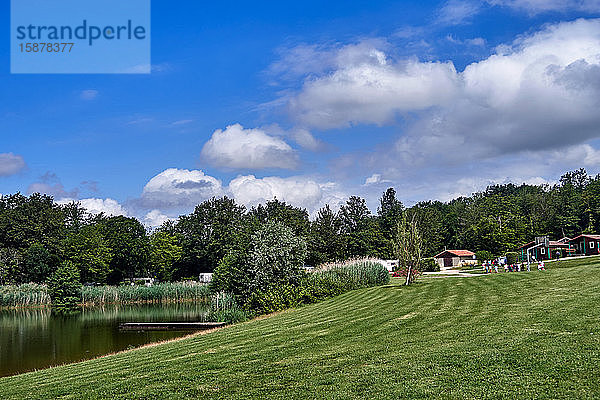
[37, 234]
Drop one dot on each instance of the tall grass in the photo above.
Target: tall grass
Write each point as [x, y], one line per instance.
[354, 273]
[158, 293]
[27, 295]
[32, 295]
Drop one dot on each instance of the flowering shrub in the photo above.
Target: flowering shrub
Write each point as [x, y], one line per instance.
[402, 272]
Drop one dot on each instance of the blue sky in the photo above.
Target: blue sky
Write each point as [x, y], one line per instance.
[312, 102]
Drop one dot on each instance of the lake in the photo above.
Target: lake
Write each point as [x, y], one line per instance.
[36, 338]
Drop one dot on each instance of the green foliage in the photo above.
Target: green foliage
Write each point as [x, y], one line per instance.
[165, 254]
[208, 234]
[409, 248]
[232, 275]
[64, 286]
[430, 265]
[327, 281]
[325, 242]
[276, 257]
[483, 255]
[224, 308]
[512, 257]
[129, 245]
[89, 251]
[38, 264]
[290, 216]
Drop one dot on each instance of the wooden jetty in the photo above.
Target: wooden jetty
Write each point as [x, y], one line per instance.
[170, 326]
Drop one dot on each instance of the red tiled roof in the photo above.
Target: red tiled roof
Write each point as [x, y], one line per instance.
[458, 253]
[595, 237]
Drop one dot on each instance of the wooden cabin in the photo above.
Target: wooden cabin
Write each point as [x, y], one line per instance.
[455, 258]
[586, 245]
[543, 252]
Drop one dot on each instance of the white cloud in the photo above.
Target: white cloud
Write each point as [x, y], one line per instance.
[456, 12]
[373, 89]
[110, 207]
[11, 164]
[375, 179]
[541, 92]
[239, 148]
[89, 94]
[298, 191]
[155, 218]
[539, 6]
[179, 188]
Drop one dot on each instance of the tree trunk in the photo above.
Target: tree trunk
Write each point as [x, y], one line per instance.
[408, 275]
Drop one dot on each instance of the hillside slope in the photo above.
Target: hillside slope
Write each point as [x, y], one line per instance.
[516, 335]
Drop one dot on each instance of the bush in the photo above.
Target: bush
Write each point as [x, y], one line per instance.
[274, 259]
[64, 287]
[511, 258]
[483, 255]
[224, 308]
[430, 265]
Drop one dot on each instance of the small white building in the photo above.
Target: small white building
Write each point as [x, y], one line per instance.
[455, 258]
[205, 277]
[390, 265]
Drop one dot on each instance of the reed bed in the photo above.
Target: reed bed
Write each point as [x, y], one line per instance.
[34, 295]
[357, 273]
[27, 295]
[158, 293]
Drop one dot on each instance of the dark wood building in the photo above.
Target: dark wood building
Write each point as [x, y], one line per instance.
[586, 245]
[543, 252]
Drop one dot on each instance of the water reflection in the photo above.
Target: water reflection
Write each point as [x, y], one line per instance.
[36, 338]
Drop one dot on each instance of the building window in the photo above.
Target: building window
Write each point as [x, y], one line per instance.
[591, 245]
[543, 250]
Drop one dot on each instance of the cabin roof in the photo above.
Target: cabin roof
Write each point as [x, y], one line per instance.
[458, 253]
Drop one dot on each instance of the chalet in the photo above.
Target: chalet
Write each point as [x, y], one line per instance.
[455, 258]
[586, 245]
[545, 252]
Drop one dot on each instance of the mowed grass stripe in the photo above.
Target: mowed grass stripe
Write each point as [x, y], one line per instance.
[520, 335]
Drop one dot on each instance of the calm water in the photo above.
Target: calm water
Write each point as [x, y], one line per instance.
[36, 338]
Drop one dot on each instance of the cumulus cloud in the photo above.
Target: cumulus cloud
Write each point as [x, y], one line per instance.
[540, 92]
[180, 190]
[372, 89]
[298, 191]
[11, 164]
[239, 148]
[155, 218]
[109, 207]
[174, 188]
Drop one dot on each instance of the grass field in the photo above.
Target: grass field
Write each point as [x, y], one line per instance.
[518, 335]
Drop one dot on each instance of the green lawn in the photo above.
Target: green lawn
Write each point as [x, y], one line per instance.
[519, 335]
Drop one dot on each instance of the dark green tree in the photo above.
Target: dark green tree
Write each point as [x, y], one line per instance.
[127, 240]
[64, 286]
[208, 234]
